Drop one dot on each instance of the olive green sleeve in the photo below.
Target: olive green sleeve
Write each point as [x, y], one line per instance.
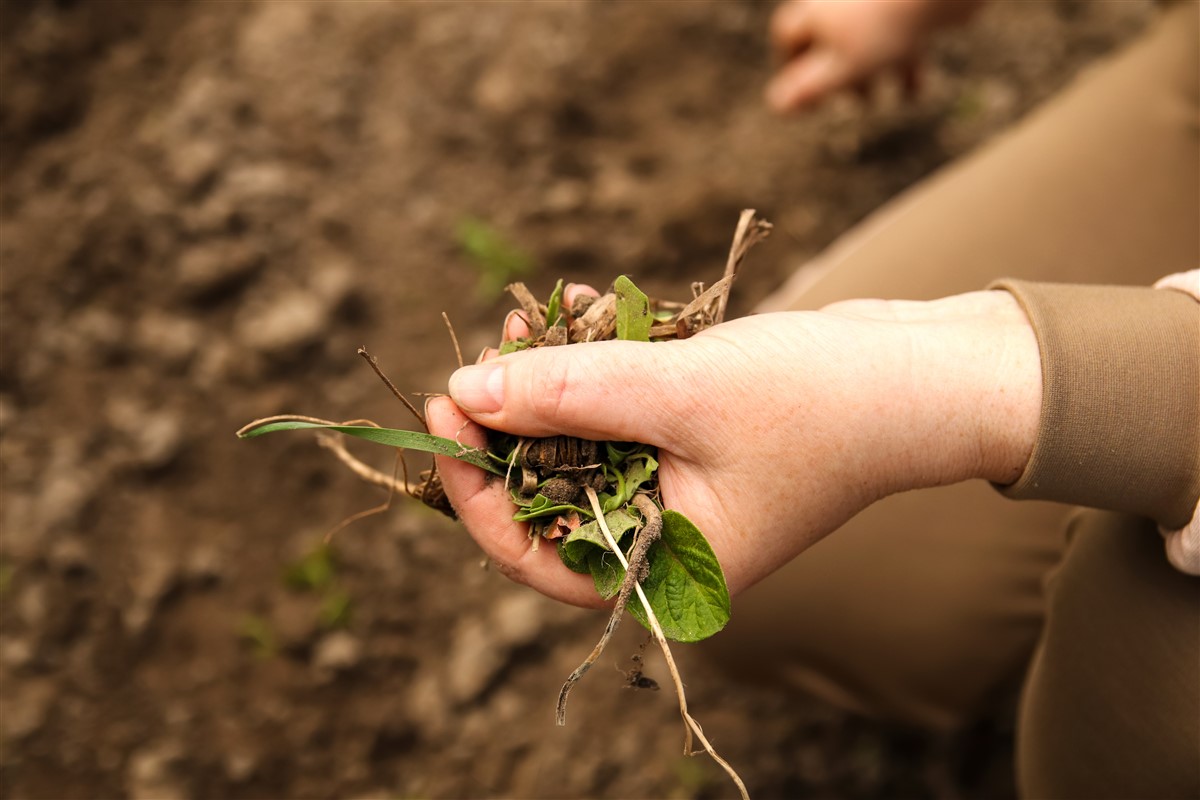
[1120, 416]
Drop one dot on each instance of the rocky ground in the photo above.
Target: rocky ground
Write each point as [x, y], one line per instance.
[205, 209]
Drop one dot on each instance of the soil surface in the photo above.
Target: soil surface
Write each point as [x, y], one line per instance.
[207, 207]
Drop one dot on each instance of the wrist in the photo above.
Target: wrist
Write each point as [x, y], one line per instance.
[973, 390]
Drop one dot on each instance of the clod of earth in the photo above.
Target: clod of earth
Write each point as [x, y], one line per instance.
[590, 500]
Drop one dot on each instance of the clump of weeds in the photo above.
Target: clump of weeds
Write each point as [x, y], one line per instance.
[597, 503]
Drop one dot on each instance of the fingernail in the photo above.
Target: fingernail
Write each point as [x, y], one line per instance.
[479, 388]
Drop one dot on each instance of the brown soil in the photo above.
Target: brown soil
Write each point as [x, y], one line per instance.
[207, 207]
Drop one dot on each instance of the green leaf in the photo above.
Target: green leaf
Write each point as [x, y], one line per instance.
[686, 586]
[554, 306]
[543, 506]
[607, 574]
[580, 566]
[634, 319]
[513, 345]
[392, 437]
[578, 543]
[638, 472]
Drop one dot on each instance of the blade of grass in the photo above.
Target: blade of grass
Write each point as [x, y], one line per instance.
[392, 437]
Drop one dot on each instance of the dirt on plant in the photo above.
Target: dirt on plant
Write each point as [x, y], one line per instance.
[206, 208]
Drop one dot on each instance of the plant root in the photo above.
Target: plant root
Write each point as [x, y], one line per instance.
[690, 723]
[635, 573]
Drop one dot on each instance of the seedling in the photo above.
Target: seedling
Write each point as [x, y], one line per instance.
[497, 259]
[597, 503]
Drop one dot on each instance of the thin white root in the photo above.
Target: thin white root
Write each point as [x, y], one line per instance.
[690, 722]
[368, 474]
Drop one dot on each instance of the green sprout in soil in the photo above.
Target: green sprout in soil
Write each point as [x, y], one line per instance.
[498, 261]
[597, 503]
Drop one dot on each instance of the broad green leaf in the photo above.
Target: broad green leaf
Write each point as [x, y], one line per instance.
[607, 574]
[392, 437]
[580, 566]
[586, 537]
[686, 586]
[634, 319]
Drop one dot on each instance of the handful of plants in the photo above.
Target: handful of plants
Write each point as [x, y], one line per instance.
[597, 503]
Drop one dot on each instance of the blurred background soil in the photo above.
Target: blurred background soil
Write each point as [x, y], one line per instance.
[207, 207]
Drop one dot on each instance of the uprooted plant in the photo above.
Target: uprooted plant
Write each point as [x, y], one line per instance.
[597, 503]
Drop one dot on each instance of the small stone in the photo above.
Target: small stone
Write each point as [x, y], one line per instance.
[517, 620]
[205, 565]
[241, 765]
[152, 772]
[290, 322]
[65, 494]
[193, 162]
[151, 583]
[474, 659]
[209, 270]
[69, 556]
[98, 333]
[16, 653]
[565, 196]
[339, 651]
[33, 605]
[172, 339]
[27, 710]
[155, 436]
[481, 648]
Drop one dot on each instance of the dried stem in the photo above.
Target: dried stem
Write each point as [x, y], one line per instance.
[749, 232]
[660, 637]
[374, 362]
[453, 338]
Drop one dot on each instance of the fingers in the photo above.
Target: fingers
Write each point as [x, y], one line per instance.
[791, 29]
[612, 390]
[805, 80]
[484, 508]
[574, 290]
[517, 327]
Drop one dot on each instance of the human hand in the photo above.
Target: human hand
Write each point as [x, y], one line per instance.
[772, 430]
[831, 46]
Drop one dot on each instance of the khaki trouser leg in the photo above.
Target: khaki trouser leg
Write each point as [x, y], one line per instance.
[1112, 705]
[929, 604]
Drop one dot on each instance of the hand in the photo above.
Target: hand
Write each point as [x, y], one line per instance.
[831, 46]
[772, 430]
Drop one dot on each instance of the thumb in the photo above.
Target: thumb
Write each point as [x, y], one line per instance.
[610, 390]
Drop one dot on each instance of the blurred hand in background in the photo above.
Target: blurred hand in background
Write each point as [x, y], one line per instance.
[828, 46]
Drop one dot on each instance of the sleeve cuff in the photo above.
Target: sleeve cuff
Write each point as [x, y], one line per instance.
[1120, 416]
